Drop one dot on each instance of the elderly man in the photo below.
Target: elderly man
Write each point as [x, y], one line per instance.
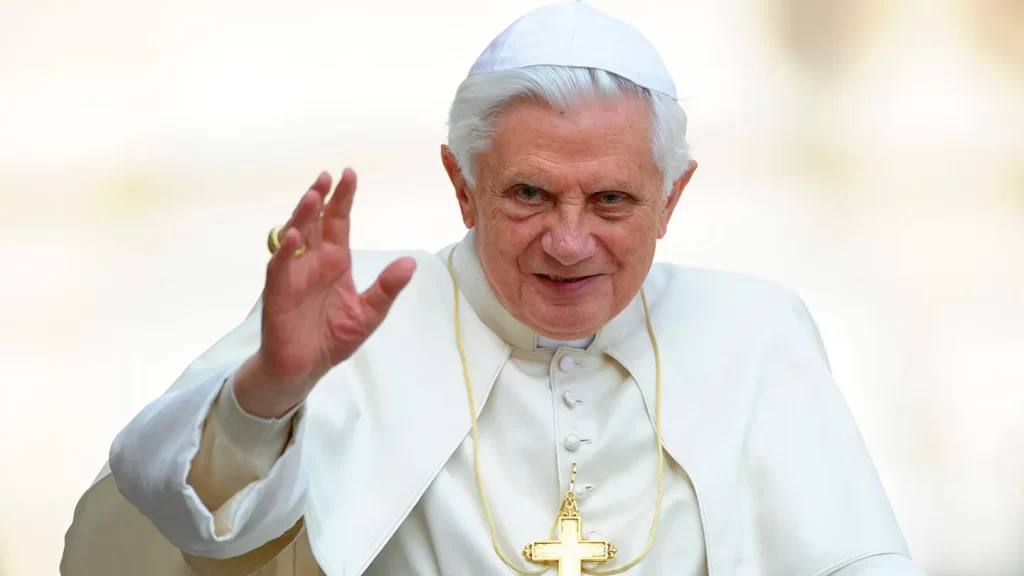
[538, 396]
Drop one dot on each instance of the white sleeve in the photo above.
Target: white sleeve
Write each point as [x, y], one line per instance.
[236, 451]
[152, 457]
[881, 565]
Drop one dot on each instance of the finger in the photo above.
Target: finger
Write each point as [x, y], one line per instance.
[290, 239]
[341, 201]
[381, 295]
[307, 216]
[338, 209]
[322, 185]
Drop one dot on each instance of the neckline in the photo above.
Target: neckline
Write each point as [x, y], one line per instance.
[548, 343]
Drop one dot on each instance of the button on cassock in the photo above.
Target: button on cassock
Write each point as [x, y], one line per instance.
[566, 363]
[582, 492]
[572, 442]
[570, 399]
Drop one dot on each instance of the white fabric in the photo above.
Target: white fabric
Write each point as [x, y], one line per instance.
[543, 342]
[577, 34]
[529, 439]
[526, 463]
[236, 451]
[753, 420]
[152, 457]
[261, 439]
[882, 565]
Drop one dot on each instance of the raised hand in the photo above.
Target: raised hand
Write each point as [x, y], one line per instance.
[313, 317]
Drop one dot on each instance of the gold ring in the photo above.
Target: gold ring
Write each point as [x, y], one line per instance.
[274, 241]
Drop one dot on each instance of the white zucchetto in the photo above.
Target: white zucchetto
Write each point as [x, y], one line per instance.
[578, 35]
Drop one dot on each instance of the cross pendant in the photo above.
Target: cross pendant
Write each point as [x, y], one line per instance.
[570, 551]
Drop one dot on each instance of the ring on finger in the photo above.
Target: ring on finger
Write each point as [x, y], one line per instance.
[274, 241]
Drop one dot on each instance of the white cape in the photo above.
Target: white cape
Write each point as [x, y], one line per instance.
[751, 413]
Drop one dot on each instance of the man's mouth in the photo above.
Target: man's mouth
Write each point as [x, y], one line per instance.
[563, 278]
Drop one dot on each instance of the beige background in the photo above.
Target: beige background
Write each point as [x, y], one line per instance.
[867, 153]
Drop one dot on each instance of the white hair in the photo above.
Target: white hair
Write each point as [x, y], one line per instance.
[481, 98]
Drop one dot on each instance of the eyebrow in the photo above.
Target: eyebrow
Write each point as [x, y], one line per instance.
[535, 180]
[520, 177]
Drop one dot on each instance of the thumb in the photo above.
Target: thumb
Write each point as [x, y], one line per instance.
[381, 295]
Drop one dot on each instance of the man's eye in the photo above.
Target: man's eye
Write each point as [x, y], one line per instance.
[610, 198]
[529, 193]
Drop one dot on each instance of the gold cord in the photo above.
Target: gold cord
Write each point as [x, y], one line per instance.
[476, 444]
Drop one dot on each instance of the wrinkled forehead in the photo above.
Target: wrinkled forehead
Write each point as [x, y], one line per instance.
[594, 141]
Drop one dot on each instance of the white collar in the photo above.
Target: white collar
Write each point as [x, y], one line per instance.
[581, 343]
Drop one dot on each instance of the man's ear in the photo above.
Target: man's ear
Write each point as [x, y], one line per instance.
[673, 198]
[463, 194]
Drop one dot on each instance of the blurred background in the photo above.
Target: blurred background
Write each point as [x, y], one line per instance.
[867, 153]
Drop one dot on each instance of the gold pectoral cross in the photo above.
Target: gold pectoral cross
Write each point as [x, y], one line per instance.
[570, 551]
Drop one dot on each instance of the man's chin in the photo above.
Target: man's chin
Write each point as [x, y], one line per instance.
[558, 327]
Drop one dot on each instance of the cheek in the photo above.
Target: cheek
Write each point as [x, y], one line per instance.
[514, 239]
[630, 240]
[504, 245]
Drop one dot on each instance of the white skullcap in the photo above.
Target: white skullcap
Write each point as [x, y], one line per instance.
[579, 35]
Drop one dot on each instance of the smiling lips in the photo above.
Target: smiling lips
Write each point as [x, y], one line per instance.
[565, 278]
[564, 286]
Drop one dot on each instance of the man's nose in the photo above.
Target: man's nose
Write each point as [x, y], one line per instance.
[568, 241]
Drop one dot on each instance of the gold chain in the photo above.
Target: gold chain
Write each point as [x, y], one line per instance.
[476, 444]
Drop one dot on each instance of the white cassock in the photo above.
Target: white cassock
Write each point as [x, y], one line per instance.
[766, 473]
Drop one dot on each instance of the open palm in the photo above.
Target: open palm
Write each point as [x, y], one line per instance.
[313, 316]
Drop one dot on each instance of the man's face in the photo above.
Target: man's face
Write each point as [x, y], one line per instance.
[567, 207]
